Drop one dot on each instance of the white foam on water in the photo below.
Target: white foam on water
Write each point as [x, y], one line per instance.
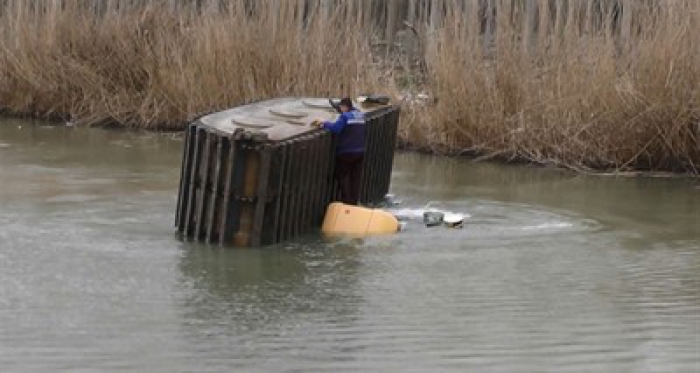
[417, 213]
[549, 225]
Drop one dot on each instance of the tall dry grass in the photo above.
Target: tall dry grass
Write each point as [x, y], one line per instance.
[583, 94]
[150, 65]
[576, 85]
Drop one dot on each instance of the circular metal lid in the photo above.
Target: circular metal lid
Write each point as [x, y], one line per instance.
[317, 103]
[251, 122]
[287, 113]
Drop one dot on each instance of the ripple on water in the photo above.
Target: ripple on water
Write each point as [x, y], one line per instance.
[489, 220]
[102, 285]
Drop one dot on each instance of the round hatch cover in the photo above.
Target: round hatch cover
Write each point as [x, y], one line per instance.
[317, 103]
[288, 113]
[250, 122]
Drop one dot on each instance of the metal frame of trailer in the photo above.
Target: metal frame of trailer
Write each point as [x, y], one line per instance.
[243, 186]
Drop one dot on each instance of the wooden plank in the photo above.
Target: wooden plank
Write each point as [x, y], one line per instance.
[233, 207]
[271, 219]
[261, 195]
[299, 196]
[374, 162]
[283, 151]
[293, 190]
[286, 191]
[308, 196]
[327, 155]
[368, 146]
[390, 150]
[204, 181]
[369, 154]
[377, 161]
[316, 181]
[301, 184]
[317, 206]
[395, 116]
[230, 156]
[313, 190]
[180, 191]
[335, 190]
[185, 176]
[369, 166]
[191, 201]
[380, 161]
[249, 179]
[214, 205]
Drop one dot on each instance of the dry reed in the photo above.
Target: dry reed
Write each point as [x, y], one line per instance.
[151, 66]
[583, 94]
[573, 87]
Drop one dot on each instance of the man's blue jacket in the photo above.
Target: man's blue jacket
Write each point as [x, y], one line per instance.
[350, 128]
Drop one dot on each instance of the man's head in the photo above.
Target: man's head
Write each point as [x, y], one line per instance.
[345, 105]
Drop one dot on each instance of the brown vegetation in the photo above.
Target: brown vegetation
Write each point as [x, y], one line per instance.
[152, 66]
[597, 84]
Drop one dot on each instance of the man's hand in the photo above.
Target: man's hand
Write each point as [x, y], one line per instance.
[317, 124]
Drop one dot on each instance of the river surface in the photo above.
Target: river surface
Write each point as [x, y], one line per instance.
[553, 272]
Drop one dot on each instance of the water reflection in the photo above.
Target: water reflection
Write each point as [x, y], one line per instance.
[659, 209]
[553, 271]
[291, 284]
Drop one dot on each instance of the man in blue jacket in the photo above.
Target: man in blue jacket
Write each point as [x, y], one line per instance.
[350, 151]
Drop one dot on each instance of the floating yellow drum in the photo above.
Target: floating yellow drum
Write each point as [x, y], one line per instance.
[354, 221]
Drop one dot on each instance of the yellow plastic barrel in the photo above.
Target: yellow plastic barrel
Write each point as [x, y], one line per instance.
[359, 222]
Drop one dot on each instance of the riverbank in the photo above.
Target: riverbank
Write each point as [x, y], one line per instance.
[579, 89]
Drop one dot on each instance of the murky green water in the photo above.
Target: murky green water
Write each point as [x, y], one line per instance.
[553, 272]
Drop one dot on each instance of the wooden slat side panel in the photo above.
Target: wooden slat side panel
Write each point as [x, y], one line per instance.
[382, 153]
[235, 188]
[214, 200]
[367, 167]
[185, 176]
[203, 187]
[242, 238]
[188, 224]
[317, 179]
[392, 132]
[327, 166]
[284, 192]
[293, 213]
[333, 186]
[261, 196]
[228, 159]
[271, 221]
[304, 196]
